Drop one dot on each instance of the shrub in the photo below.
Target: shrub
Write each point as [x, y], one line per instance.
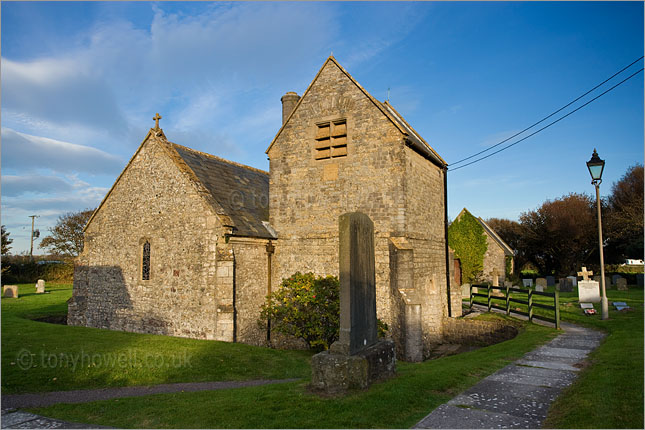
[307, 307]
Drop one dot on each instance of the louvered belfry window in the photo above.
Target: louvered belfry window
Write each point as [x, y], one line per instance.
[331, 140]
[145, 262]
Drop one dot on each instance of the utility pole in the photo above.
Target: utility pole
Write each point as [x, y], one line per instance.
[31, 251]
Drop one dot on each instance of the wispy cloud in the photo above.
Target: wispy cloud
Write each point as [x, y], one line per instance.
[30, 152]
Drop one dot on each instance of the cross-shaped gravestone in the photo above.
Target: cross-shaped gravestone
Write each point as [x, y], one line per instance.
[157, 117]
[585, 274]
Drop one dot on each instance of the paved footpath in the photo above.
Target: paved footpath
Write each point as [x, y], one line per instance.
[13, 418]
[519, 395]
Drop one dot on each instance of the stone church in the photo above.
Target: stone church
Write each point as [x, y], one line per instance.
[498, 258]
[188, 244]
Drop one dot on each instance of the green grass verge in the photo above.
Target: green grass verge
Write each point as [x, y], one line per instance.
[38, 356]
[397, 403]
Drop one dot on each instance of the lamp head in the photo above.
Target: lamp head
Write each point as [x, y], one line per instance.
[595, 166]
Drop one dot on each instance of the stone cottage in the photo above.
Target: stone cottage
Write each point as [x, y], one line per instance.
[497, 252]
[189, 244]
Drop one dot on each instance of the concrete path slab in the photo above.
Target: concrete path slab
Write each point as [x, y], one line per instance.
[519, 395]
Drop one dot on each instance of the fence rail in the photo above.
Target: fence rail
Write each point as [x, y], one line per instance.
[508, 298]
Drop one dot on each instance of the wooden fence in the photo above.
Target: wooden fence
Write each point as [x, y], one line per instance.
[522, 296]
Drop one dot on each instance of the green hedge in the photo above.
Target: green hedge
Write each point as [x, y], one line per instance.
[24, 273]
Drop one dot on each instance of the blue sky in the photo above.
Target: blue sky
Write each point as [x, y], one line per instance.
[82, 80]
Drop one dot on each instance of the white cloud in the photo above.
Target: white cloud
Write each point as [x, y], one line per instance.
[62, 91]
[27, 152]
[18, 185]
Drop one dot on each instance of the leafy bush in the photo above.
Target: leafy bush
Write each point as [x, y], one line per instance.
[307, 307]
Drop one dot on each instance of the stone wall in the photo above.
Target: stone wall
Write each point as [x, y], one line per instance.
[494, 258]
[399, 190]
[475, 332]
[251, 288]
[153, 201]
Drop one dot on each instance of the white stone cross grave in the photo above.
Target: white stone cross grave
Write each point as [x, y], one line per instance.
[585, 274]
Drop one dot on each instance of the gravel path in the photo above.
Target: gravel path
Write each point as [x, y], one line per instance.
[519, 395]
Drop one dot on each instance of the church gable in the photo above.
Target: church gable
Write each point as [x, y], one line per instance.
[348, 95]
[237, 194]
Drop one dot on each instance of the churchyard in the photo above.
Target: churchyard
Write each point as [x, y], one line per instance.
[608, 393]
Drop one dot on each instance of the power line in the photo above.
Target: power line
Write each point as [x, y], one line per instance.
[550, 115]
[550, 124]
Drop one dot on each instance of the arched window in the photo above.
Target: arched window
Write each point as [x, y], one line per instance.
[145, 262]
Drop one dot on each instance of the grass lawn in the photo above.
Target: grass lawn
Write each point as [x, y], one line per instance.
[397, 403]
[38, 356]
[608, 393]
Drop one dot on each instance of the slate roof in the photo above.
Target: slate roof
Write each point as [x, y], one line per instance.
[242, 192]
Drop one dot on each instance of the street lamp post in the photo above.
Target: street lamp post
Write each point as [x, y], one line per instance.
[596, 166]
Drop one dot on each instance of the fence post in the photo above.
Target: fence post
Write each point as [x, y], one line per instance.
[488, 288]
[530, 304]
[508, 300]
[471, 297]
[556, 299]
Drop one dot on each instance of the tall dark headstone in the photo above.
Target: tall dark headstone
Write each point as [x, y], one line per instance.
[358, 328]
[357, 358]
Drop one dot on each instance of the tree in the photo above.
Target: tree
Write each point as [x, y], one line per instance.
[5, 241]
[623, 221]
[512, 233]
[66, 236]
[560, 234]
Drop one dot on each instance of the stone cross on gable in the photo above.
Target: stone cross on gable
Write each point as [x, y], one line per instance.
[157, 117]
[585, 274]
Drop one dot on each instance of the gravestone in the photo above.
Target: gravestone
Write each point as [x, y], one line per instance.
[620, 306]
[357, 358]
[10, 291]
[565, 285]
[573, 280]
[540, 282]
[465, 291]
[621, 284]
[495, 275]
[550, 281]
[40, 287]
[527, 282]
[639, 279]
[539, 288]
[586, 305]
[588, 291]
[615, 278]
